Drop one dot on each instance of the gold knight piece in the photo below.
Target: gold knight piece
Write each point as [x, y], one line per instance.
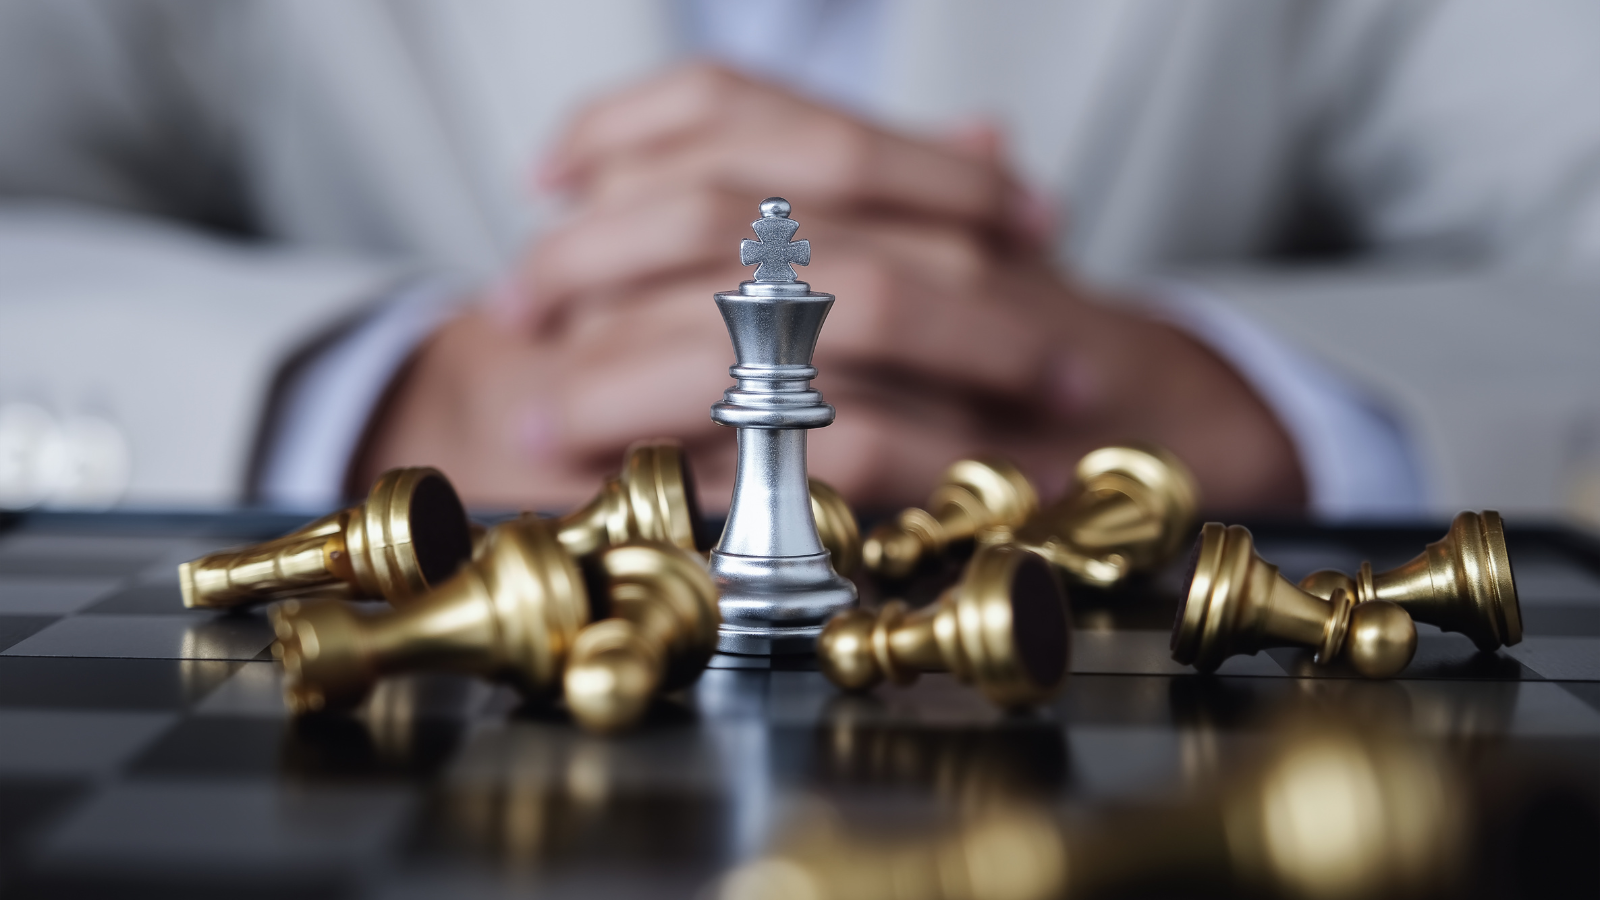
[973, 494]
[661, 634]
[1003, 626]
[1130, 510]
[409, 535]
[1461, 582]
[1238, 603]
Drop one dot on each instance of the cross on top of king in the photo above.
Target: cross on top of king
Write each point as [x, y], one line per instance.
[774, 254]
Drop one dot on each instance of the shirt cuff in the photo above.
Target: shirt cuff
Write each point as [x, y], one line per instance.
[327, 401]
[1355, 456]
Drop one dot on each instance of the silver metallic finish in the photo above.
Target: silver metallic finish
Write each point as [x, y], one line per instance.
[777, 585]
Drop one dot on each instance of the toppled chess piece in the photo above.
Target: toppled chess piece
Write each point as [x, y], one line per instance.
[1238, 603]
[1332, 814]
[1003, 627]
[972, 495]
[409, 536]
[777, 583]
[661, 634]
[510, 615]
[1130, 509]
[652, 499]
[836, 527]
[1461, 582]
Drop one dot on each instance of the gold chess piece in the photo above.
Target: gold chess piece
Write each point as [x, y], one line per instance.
[836, 526]
[1003, 626]
[409, 535]
[662, 633]
[1333, 814]
[1461, 582]
[1238, 603]
[511, 615]
[1130, 509]
[653, 499]
[973, 494]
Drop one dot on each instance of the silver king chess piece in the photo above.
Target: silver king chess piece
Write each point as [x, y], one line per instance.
[777, 584]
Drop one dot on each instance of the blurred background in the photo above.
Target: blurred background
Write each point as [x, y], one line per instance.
[1340, 257]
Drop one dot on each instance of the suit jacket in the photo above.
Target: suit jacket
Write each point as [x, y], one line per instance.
[191, 190]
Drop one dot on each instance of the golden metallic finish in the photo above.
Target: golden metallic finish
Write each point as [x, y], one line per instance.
[1461, 582]
[972, 494]
[511, 615]
[1003, 627]
[1130, 510]
[836, 526]
[662, 634]
[1332, 814]
[1238, 603]
[410, 535]
[652, 500]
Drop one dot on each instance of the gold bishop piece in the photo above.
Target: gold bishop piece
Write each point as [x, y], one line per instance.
[1003, 627]
[516, 614]
[1238, 603]
[1461, 582]
[1332, 814]
[409, 536]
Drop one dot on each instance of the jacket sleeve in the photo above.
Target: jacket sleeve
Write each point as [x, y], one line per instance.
[118, 299]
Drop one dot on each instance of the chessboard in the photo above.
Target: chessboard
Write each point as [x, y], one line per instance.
[145, 749]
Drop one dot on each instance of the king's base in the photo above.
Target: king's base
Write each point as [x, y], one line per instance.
[776, 605]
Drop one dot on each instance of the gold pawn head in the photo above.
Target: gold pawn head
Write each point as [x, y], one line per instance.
[973, 494]
[511, 615]
[1238, 603]
[1003, 627]
[1461, 582]
[1130, 510]
[662, 633]
[409, 535]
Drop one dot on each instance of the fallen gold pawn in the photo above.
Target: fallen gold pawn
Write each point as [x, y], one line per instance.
[514, 615]
[1003, 627]
[409, 535]
[1238, 603]
[1461, 582]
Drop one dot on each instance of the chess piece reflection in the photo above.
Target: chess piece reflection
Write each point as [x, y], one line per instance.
[662, 633]
[1003, 627]
[973, 494]
[1461, 582]
[511, 615]
[1332, 814]
[409, 536]
[1130, 510]
[1237, 603]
